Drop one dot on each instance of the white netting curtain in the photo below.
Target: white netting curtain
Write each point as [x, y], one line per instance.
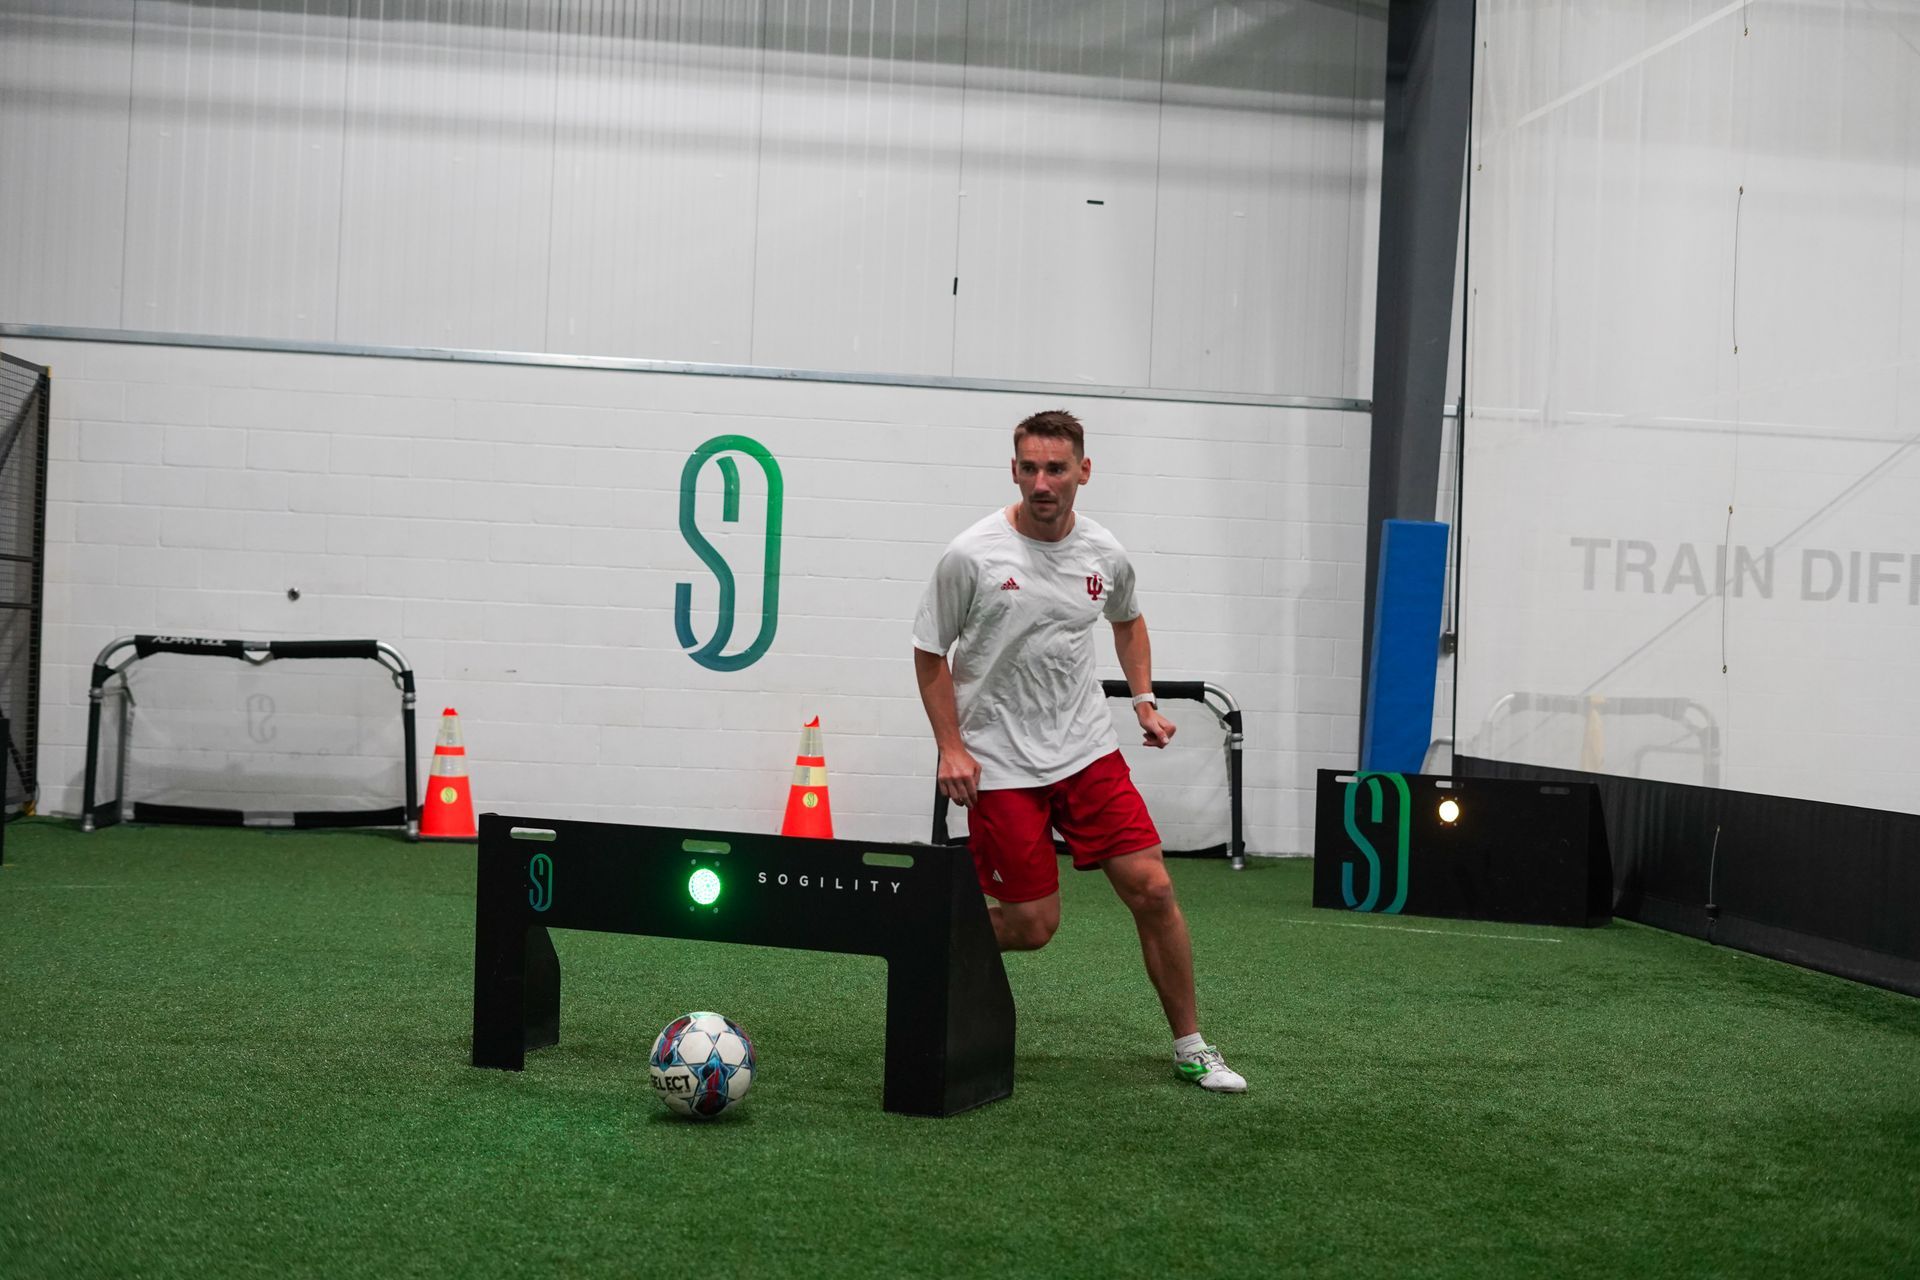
[1693, 445]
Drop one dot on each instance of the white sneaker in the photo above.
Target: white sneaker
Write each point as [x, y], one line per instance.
[1207, 1069]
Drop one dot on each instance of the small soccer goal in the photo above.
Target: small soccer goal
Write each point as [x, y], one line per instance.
[183, 729]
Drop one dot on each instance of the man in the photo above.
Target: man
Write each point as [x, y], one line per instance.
[1026, 742]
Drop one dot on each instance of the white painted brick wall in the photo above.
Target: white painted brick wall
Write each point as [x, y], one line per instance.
[514, 531]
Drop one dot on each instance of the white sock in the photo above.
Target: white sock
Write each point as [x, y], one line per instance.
[1187, 1046]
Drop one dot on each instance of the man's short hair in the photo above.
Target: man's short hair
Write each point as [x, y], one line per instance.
[1053, 424]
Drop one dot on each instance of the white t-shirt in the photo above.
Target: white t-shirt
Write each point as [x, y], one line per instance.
[1023, 614]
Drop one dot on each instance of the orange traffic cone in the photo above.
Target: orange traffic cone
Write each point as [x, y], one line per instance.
[808, 813]
[448, 812]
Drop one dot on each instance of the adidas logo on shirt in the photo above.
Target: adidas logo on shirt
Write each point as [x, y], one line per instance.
[1009, 585]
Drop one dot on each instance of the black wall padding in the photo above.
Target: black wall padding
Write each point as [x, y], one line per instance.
[1831, 887]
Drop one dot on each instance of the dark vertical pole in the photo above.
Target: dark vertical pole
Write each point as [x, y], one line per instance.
[91, 773]
[29, 716]
[411, 800]
[1236, 767]
[1428, 105]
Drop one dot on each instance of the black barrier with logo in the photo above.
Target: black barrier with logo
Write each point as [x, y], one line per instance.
[1471, 848]
[949, 1009]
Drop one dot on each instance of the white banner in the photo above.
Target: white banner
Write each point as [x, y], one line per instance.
[1692, 458]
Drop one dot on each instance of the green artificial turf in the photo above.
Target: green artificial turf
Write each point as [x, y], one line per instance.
[232, 1053]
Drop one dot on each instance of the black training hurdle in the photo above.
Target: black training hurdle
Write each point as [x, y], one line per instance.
[949, 1009]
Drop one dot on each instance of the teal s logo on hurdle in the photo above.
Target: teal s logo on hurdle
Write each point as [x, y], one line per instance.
[1402, 829]
[709, 655]
[540, 871]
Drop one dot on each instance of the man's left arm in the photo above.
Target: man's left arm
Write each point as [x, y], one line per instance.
[1136, 661]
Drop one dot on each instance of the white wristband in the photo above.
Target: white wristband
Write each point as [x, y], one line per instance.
[1146, 697]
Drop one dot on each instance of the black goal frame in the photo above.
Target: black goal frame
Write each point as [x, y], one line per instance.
[106, 813]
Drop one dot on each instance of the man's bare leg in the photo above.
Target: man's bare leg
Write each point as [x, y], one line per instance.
[1142, 882]
[1025, 926]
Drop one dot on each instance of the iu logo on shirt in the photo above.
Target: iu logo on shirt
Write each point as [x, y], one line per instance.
[1094, 585]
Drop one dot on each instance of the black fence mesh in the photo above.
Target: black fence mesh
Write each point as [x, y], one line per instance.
[25, 394]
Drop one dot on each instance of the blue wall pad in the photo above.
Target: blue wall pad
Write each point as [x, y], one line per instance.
[1397, 723]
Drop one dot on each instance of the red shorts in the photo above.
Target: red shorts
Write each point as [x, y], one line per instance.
[1097, 812]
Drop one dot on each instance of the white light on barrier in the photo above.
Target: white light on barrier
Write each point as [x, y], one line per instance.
[1449, 811]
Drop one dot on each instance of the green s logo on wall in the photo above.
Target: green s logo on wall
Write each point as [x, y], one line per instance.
[709, 655]
[1403, 830]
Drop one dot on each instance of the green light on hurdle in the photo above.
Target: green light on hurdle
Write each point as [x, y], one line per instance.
[703, 886]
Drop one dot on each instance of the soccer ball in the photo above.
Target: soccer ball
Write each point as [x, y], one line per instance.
[701, 1064]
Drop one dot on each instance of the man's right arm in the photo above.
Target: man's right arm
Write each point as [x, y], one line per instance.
[959, 773]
